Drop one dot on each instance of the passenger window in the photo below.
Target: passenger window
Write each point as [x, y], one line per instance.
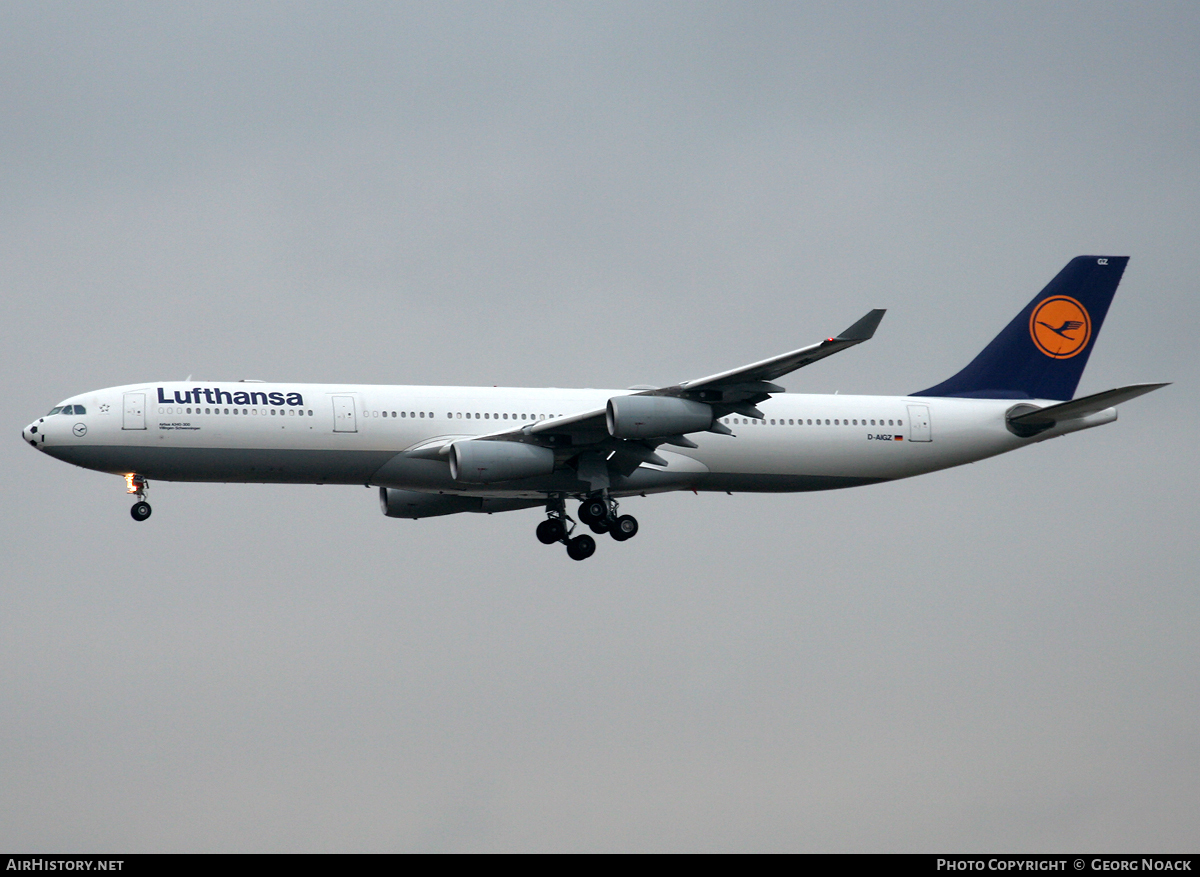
[899, 423]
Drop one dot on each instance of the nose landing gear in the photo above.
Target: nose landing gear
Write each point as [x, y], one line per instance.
[138, 485]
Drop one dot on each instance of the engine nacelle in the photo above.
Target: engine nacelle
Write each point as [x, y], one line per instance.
[476, 462]
[414, 504]
[634, 417]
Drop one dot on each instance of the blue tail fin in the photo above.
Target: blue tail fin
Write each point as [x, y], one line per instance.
[1041, 353]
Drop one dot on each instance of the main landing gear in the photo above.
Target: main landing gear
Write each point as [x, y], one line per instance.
[598, 512]
[138, 485]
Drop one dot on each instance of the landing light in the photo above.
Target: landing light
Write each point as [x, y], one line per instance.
[129, 486]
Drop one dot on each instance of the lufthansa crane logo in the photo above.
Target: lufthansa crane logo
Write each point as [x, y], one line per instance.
[1060, 327]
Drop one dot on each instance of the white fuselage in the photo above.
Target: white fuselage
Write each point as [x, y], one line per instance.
[359, 434]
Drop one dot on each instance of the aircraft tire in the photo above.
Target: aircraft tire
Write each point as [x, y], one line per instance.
[600, 526]
[625, 527]
[581, 547]
[550, 531]
[592, 510]
[140, 511]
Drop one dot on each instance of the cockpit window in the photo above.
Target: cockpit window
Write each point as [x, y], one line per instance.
[54, 410]
[79, 409]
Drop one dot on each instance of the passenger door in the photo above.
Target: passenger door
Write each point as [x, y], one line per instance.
[135, 411]
[343, 414]
[919, 427]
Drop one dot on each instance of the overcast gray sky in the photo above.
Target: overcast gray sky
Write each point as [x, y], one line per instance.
[1000, 657]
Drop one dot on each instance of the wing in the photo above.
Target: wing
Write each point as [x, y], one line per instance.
[625, 433]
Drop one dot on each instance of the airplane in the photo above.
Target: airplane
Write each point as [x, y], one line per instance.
[445, 450]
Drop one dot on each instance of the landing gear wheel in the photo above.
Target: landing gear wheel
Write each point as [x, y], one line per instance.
[601, 526]
[140, 511]
[551, 530]
[625, 527]
[581, 547]
[593, 510]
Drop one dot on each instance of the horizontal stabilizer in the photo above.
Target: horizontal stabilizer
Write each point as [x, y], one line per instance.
[1084, 406]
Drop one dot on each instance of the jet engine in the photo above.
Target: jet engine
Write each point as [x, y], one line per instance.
[414, 504]
[482, 462]
[634, 417]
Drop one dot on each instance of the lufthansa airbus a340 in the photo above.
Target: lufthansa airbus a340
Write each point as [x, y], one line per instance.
[443, 450]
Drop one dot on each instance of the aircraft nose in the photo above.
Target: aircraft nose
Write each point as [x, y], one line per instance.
[31, 434]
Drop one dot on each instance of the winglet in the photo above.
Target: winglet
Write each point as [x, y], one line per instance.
[864, 328]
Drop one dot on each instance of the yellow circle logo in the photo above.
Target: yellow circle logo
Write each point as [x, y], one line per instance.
[1060, 327]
